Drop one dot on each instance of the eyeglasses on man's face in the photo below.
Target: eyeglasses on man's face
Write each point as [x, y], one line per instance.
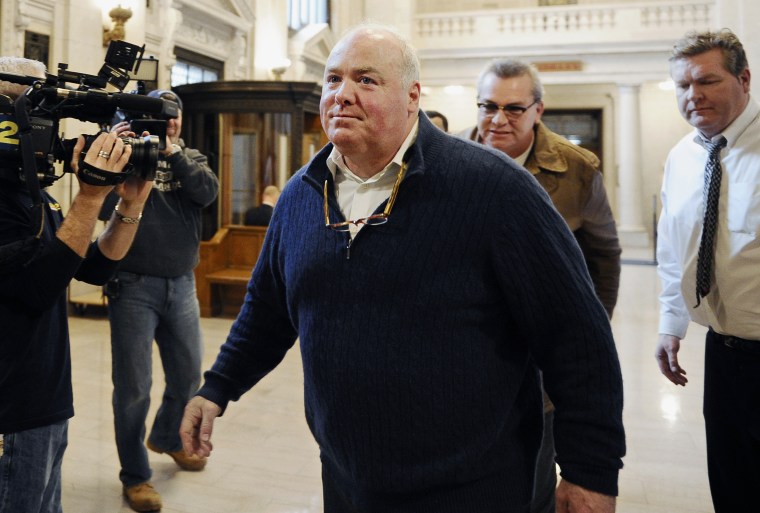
[512, 111]
[372, 220]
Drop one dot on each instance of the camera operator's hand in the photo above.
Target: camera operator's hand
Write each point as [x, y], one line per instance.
[173, 129]
[134, 191]
[122, 129]
[107, 152]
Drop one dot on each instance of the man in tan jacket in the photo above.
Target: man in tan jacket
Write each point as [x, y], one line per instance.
[509, 119]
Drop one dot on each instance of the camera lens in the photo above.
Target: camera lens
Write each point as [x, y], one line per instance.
[144, 156]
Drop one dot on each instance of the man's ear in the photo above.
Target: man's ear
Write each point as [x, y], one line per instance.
[744, 78]
[414, 97]
[539, 111]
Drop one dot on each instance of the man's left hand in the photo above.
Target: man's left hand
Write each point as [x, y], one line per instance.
[134, 190]
[572, 498]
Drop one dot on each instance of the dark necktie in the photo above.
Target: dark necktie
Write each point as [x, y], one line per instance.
[713, 172]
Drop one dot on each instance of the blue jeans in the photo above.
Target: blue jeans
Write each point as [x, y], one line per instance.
[30, 469]
[148, 307]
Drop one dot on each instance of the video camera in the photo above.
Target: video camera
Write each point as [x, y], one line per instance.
[29, 128]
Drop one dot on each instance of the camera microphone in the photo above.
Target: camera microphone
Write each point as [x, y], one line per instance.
[18, 79]
[123, 101]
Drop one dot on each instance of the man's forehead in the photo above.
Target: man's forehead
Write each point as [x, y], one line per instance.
[495, 85]
[706, 58]
[697, 67]
[353, 68]
[358, 60]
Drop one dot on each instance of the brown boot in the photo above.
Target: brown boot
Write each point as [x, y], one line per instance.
[142, 497]
[181, 458]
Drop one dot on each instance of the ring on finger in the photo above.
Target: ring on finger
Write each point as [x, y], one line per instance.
[104, 154]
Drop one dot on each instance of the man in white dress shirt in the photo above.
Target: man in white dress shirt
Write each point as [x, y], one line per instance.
[712, 80]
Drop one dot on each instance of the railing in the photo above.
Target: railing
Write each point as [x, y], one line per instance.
[679, 15]
[651, 21]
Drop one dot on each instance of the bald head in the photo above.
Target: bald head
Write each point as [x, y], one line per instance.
[270, 195]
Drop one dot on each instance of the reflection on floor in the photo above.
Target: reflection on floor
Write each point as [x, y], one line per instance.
[265, 460]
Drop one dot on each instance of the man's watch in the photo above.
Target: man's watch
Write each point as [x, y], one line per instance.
[125, 219]
[176, 148]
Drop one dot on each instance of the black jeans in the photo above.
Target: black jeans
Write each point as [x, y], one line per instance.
[732, 423]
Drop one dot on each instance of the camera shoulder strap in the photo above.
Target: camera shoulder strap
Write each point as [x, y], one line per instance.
[18, 254]
[30, 164]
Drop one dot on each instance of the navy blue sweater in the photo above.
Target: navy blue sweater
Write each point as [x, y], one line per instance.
[421, 342]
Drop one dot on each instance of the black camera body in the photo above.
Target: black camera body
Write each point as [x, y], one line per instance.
[152, 126]
[143, 161]
[37, 113]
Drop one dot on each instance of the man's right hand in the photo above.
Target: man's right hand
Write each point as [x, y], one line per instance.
[107, 152]
[667, 359]
[572, 498]
[197, 426]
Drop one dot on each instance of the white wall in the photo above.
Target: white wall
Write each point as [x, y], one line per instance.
[270, 39]
[662, 127]
[458, 105]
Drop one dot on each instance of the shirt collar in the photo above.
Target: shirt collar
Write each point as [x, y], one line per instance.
[336, 163]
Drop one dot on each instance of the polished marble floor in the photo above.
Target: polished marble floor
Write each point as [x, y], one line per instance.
[265, 460]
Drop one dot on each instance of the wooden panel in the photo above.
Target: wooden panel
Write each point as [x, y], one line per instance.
[245, 245]
[226, 262]
[230, 276]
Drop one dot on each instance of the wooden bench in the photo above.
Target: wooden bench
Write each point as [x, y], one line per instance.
[226, 263]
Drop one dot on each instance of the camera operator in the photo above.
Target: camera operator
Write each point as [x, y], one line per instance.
[153, 297]
[35, 366]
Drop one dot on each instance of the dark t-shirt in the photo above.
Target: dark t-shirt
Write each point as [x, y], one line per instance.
[35, 364]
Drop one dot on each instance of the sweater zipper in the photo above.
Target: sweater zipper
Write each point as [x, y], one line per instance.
[348, 247]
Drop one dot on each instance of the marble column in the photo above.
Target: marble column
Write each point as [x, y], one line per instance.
[631, 229]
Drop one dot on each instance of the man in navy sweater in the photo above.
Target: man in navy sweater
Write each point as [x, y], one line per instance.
[427, 287]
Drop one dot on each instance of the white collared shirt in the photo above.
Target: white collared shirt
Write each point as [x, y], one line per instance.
[733, 305]
[357, 197]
